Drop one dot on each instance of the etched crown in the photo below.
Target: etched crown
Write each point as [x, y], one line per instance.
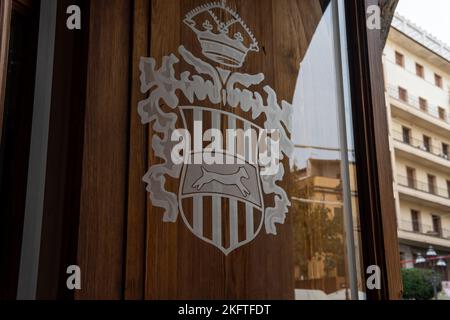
[218, 42]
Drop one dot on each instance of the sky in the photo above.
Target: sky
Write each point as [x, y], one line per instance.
[431, 15]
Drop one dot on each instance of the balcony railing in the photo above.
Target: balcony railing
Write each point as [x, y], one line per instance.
[424, 229]
[423, 187]
[413, 102]
[420, 145]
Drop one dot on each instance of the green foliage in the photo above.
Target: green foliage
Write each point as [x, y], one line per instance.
[417, 284]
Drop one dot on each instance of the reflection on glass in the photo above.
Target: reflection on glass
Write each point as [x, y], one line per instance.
[322, 257]
[319, 229]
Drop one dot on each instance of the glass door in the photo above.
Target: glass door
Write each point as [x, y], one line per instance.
[323, 169]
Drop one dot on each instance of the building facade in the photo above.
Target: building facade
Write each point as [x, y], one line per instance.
[417, 80]
[320, 199]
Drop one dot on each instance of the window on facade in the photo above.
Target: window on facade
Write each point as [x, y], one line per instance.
[437, 225]
[445, 149]
[431, 184]
[411, 177]
[438, 80]
[448, 188]
[419, 70]
[423, 104]
[406, 135]
[399, 59]
[442, 113]
[415, 219]
[402, 94]
[427, 143]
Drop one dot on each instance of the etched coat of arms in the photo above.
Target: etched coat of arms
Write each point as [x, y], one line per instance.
[222, 186]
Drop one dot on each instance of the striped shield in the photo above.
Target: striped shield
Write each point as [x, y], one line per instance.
[222, 203]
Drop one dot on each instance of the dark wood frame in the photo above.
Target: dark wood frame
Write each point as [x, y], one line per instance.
[104, 202]
[375, 184]
[59, 236]
[15, 133]
[6, 7]
[5, 19]
[61, 205]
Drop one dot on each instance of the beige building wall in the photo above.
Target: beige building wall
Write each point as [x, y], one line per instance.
[433, 122]
[407, 77]
[418, 132]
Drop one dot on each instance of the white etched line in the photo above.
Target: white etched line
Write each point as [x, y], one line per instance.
[217, 220]
[198, 132]
[234, 237]
[198, 215]
[247, 141]
[249, 225]
[231, 140]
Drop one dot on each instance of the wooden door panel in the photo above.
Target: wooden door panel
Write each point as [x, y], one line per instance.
[180, 265]
[125, 249]
[138, 162]
[103, 205]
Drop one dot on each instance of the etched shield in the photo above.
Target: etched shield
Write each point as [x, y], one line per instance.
[221, 202]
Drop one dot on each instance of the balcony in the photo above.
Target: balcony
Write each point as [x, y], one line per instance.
[423, 193]
[410, 110]
[423, 233]
[416, 150]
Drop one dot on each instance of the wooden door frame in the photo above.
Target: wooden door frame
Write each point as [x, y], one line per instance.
[373, 158]
[6, 7]
[59, 236]
[17, 128]
[5, 23]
